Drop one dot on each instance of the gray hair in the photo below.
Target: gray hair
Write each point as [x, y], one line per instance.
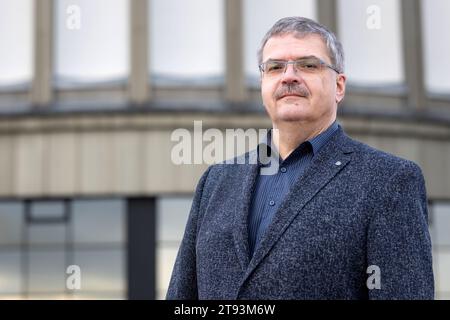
[301, 27]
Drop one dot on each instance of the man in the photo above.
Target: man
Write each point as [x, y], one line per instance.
[339, 220]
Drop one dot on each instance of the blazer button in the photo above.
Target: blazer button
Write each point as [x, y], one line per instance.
[271, 202]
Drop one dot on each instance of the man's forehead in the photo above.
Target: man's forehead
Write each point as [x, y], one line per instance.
[291, 43]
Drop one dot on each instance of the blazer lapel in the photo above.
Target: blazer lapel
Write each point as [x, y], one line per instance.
[331, 159]
[246, 175]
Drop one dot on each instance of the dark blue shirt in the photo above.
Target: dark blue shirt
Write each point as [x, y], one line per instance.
[270, 190]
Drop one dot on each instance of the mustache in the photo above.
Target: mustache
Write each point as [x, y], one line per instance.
[291, 89]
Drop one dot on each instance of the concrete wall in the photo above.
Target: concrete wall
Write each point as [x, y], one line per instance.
[129, 154]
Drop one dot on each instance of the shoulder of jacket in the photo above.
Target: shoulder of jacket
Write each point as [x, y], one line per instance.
[379, 159]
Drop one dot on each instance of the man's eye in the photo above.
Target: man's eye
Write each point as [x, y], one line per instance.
[274, 67]
[309, 66]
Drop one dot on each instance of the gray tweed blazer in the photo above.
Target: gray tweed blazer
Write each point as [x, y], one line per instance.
[353, 207]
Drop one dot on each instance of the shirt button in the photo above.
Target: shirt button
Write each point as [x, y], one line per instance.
[271, 202]
[283, 169]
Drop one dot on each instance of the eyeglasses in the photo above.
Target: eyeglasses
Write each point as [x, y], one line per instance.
[307, 65]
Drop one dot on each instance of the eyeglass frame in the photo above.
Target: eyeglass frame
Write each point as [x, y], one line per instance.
[286, 63]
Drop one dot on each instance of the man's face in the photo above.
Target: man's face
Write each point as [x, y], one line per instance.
[313, 96]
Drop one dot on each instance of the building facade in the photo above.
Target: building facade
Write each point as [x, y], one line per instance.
[91, 92]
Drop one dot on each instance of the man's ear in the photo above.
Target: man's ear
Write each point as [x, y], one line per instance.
[340, 87]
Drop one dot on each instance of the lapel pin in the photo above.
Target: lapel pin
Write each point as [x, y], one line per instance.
[338, 163]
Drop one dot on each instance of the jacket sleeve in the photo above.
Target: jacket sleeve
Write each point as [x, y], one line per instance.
[399, 242]
[183, 282]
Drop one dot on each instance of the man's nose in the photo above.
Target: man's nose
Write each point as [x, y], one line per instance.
[291, 74]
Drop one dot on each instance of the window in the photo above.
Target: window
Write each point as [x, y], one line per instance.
[16, 39]
[91, 42]
[11, 237]
[435, 25]
[99, 247]
[172, 215]
[40, 239]
[97, 222]
[11, 217]
[46, 223]
[370, 31]
[186, 42]
[46, 273]
[259, 16]
[11, 281]
[440, 235]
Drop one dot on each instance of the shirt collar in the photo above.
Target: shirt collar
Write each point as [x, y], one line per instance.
[322, 138]
[316, 143]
